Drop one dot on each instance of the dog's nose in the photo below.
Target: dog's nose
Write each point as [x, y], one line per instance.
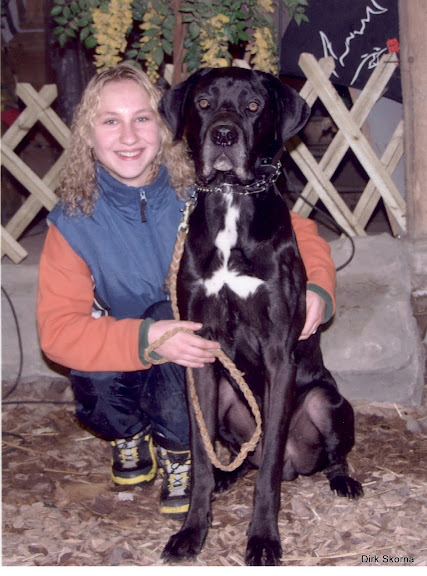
[224, 135]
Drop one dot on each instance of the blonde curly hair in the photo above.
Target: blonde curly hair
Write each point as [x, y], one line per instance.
[77, 188]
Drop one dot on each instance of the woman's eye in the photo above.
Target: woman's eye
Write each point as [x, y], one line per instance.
[142, 119]
[253, 106]
[203, 103]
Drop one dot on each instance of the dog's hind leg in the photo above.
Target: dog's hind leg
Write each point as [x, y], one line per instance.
[236, 425]
[320, 437]
[338, 434]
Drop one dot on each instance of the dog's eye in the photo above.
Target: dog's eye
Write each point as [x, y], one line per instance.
[203, 103]
[253, 106]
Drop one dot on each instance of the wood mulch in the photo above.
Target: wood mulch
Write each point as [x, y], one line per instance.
[60, 507]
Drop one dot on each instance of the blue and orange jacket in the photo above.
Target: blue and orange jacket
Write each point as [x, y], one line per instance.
[120, 256]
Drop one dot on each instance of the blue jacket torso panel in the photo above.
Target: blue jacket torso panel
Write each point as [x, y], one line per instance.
[128, 257]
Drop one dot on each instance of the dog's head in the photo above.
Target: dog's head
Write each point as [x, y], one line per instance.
[233, 118]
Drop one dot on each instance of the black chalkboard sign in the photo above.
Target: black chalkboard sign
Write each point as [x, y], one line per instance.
[356, 33]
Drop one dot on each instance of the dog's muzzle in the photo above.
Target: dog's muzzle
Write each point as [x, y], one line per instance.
[224, 150]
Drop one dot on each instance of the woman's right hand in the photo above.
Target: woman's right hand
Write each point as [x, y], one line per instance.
[185, 349]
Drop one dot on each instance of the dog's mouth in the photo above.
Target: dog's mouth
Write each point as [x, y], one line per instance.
[219, 166]
[223, 163]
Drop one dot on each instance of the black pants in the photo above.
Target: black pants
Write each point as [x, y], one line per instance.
[117, 405]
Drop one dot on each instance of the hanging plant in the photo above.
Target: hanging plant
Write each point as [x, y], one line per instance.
[210, 32]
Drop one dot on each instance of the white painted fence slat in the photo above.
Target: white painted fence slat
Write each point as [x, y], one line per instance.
[41, 189]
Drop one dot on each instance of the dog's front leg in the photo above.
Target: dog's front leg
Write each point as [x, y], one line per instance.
[188, 542]
[264, 547]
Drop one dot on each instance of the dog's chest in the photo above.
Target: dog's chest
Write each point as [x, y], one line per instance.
[227, 275]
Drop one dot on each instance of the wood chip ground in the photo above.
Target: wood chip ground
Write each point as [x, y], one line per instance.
[60, 507]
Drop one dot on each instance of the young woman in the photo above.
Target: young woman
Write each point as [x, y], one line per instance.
[102, 269]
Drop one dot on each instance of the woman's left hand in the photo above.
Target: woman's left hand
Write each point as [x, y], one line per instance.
[315, 314]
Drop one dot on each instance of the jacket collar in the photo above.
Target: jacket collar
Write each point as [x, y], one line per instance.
[127, 199]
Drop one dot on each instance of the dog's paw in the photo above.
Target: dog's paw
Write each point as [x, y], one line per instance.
[186, 543]
[347, 487]
[263, 552]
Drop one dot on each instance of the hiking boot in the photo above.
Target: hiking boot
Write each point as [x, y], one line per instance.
[175, 493]
[134, 461]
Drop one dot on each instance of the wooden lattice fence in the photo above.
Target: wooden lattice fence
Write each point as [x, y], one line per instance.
[318, 174]
[349, 135]
[41, 189]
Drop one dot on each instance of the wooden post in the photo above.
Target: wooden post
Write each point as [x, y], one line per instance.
[413, 40]
[178, 44]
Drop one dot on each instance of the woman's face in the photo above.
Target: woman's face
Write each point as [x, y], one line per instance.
[126, 134]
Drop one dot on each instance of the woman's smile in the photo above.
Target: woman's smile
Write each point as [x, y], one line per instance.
[126, 134]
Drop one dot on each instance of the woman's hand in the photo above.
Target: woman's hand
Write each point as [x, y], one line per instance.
[185, 349]
[315, 314]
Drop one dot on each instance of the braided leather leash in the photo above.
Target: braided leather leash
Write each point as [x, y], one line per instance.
[222, 357]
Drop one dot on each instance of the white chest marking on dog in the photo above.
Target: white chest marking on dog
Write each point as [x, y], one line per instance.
[226, 239]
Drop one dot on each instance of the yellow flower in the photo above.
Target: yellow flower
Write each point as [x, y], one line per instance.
[214, 43]
[148, 22]
[263, 50]
[110, 33]
[266, 5]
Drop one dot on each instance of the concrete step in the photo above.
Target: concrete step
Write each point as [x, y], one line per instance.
[372, 346]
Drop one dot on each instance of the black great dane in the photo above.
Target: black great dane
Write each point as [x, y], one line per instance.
[241, 275]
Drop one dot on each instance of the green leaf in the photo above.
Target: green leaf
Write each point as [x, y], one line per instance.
[70, 33]
[62, 39]
[151, 44]
[132, 53]
[169, 22]
[58, 30]
[75, 8]
[168, 35]
[90, 42]
[61, 20]
[243, 36]
[193, 30]
[167, 47]
[56, 10]
[84, 21]
[158, 55]
[84, 33]
[186, 8]
[301, 18]
[156, 20]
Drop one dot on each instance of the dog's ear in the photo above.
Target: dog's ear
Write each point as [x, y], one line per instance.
[172, 105]
[293, 111]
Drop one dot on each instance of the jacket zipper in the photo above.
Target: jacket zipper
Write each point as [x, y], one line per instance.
[143, 205]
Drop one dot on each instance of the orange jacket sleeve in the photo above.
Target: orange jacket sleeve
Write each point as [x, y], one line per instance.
[316, 255]
[69, 335]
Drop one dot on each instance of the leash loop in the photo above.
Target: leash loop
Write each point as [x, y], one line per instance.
[222, 357]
